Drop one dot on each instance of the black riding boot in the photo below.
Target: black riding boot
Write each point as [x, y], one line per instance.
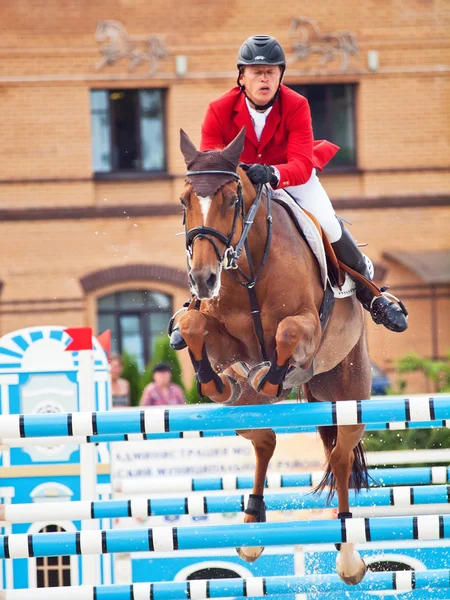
[382, 309]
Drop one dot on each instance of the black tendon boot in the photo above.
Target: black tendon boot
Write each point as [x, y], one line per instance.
[382, 309]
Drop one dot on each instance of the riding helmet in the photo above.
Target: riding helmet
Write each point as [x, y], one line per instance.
[261, 50]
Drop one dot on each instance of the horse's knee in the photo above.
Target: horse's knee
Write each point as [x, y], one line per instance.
[288, 333]
[266, 442]
[192, 325]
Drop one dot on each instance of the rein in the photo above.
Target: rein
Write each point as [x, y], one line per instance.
[231, 255]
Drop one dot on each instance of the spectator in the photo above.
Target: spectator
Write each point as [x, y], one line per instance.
[120, 388]
[161, 390]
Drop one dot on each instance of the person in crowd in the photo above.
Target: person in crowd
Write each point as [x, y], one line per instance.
[120, 387]
[162, 390]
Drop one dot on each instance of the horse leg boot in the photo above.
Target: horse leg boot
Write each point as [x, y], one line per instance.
[264, 442]
[349, 564]
[220, 387]
[297, 338]
[382, 309]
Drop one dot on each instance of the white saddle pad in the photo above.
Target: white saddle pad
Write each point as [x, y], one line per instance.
[315, 242]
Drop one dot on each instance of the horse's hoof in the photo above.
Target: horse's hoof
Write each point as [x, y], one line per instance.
[250, 553]
[351, 568]
[255, 377]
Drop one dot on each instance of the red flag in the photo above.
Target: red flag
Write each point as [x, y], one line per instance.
[81, 338]
[104, 339]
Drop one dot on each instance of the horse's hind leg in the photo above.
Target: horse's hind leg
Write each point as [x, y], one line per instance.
[350, 380]
[297, 340]
[201, 333]
[264, 442]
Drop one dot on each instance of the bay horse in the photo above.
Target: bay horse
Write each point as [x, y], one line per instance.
[239, 242]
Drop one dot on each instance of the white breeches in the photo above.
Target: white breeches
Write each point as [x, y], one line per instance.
[314, 199]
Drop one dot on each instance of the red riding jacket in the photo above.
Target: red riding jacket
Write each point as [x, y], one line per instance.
[286, 142]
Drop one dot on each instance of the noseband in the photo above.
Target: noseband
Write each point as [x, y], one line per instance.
[230, 255]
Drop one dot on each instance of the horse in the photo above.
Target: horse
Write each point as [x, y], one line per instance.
[257, 292]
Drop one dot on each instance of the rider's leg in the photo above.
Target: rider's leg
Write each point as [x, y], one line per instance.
[314, 199]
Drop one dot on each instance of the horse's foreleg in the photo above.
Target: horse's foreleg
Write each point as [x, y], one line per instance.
[198, 333]
[297, 340]
[264, 442]
[349, 564]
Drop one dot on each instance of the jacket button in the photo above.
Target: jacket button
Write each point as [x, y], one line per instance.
[259, 155]
[285, 182]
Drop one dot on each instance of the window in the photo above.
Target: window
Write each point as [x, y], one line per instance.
[128, 131]
[136, 319]
[333, 117]
[53, 571]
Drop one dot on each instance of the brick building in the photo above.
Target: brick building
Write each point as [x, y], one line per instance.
[90, 168]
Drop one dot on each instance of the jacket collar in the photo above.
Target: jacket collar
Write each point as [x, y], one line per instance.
[242, 117]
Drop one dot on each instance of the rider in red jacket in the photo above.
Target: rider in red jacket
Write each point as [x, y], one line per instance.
[280, 150]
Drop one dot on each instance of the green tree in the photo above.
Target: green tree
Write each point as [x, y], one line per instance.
[162, 352]
[131, 373]
[193, 397]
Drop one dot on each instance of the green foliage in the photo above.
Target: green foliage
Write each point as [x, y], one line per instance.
[131, 373]
[162, 352]
[435, 371]
[193, 397]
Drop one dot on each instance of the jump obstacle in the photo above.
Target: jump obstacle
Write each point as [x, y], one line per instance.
[139, 437]
[208, 418]
[274, 481]
[170, 539]
[197, 505]
[255, 587]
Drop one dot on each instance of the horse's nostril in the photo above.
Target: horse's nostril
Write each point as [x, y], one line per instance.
[211, 281]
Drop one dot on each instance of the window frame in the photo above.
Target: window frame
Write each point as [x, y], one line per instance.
[330, 168]
[133, 174]
[143, 315]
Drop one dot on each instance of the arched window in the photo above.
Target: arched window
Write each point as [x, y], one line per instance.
[53, 571]
[136, 319]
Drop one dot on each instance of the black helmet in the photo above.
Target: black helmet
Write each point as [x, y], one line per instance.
[261, 50]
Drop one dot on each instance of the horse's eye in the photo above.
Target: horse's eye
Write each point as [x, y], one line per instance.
[233, 201]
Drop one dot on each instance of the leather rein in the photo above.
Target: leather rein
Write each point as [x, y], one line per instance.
[231, 254]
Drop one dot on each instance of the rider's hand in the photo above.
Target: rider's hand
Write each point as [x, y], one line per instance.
[260, 174]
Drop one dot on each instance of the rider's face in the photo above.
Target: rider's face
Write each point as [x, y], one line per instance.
[260, 82]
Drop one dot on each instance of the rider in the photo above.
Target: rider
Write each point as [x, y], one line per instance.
[280, 150]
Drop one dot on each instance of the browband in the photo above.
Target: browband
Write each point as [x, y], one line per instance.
[232, 173]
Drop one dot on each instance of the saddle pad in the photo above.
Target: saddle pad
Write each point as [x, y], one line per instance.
[306, 225]
[314, 239]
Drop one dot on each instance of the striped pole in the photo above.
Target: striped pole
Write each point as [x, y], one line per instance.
[139, 437]
[197, 505]
[169, 539]
[378, 477]
[208, 418]
[400, 581]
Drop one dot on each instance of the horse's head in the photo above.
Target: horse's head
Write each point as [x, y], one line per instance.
[213, 203]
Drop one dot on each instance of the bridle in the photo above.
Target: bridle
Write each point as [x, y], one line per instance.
[228, 260]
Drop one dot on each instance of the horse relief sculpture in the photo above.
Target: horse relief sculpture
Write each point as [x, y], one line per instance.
[309, 40]
[115, 44]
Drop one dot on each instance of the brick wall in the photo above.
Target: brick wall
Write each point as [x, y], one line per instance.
[48, 54]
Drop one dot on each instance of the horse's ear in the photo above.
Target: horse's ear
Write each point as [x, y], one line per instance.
[234, 149]
[187, 147]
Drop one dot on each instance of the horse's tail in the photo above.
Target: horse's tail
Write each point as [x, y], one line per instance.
[359, 477]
